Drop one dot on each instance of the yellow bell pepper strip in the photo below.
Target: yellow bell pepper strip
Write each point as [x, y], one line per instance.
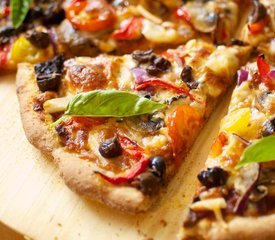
[23, 51]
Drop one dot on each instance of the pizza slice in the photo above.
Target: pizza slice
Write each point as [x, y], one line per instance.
[235, 198]
[118, 127]
[88, 28]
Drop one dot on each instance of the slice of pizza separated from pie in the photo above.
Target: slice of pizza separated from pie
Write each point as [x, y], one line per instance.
[77, 28]
[119, 127]
[235, 198]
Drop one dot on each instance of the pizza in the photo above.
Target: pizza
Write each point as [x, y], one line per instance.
[119, 126]
[91, 27]
[235, 198]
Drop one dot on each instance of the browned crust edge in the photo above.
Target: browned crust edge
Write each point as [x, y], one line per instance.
[78, 174]
[239, 228]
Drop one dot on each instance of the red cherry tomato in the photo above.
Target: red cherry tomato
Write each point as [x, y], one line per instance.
[131, 30]
[92, 16]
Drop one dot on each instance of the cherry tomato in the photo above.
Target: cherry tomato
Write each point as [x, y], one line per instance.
[4, 50]
[92, 16]
[182, 123]
[131, 30]
[258, 27]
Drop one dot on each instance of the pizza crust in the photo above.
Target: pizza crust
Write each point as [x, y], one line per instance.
[239, 228]
[78, 173]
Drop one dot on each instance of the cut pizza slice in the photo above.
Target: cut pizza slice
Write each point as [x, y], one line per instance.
[235, 198]
[88, 28]
[119, 127]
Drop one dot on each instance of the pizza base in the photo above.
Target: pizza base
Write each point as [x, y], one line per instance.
[239, 228]
[78, 173]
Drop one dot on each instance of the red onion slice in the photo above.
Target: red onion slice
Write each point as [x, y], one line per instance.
[140, 74]
[54, 39]
[244, 184]
[242, 76]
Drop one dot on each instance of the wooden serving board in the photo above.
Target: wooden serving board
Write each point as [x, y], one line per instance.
[35, 202]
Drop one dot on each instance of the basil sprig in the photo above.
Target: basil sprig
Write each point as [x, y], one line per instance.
[19, 10]
[109, 103]
[262, 150]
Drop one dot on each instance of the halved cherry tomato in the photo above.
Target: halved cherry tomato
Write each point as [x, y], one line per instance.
[7, 11]
[92, 16]
[258, 27]
[264, 69]
[131, 30]
[182, 14]
[181, 126]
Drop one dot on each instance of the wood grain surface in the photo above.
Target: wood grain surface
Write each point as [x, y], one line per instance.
[35, 202]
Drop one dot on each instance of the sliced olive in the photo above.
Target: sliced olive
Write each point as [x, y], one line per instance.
[213, 177]
[48, 74]
[143, 56]
[148, 183]
[186, 74]
[162, 63]
[5, 34]
[269, 127]
[153, 70]
[259, 12]
[157, 166]
[110, 148]
[39, 39]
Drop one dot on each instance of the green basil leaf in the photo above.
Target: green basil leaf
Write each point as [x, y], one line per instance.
[110, 103]
[19, 10]
[262, 150]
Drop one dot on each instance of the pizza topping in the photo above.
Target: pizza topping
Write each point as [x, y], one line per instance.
[5, 34]
[213, 177]
[157, 166]
[110, 148]
[140, 74]
[147, 182]
[92, 16]
[258, 152]
[242, 76]
[258, 13]
[269, 127]
[116, 104]
[53, 13]
[130, 30]
[159, 65]
[143, 56]
[244, 184]
[39, 39]
[48, 74]
[39, 100]
[158, 82]
[186, 74]
[19, 10]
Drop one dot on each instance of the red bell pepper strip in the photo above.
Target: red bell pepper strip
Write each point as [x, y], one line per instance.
[4, 55]
[131, 30]
[134, 150]
[258, 27]
[182, 14]
[264, 69]
[138, 168]
[161, 83]
[130, 147]
[7, 11]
